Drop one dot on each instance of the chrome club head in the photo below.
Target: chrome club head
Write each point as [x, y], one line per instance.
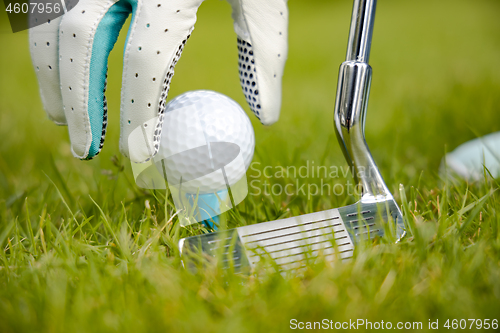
[294, 242]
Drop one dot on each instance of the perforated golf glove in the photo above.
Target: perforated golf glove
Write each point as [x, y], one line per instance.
[70, 56]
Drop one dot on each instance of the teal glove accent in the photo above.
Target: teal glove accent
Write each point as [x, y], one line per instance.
[105, 38]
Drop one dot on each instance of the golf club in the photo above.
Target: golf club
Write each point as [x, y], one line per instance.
[333, 233]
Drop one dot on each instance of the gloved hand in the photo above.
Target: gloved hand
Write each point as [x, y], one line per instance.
[70, 56]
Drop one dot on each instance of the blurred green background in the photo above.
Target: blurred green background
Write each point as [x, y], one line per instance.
[436, 84]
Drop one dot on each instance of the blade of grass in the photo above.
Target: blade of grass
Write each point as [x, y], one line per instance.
[30, 228]
[108, 225]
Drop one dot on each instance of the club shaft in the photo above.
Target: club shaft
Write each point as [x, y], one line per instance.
[351, 103]
[360, 33]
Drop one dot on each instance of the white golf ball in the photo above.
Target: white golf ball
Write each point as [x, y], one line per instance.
[207, 142]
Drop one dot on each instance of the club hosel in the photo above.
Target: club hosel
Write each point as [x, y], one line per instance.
[353, 90]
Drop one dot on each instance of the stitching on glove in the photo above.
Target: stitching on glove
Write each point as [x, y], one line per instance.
[104, 116]
[164, 94]
[248, 76]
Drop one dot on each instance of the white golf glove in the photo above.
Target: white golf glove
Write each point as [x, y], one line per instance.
[70, 56]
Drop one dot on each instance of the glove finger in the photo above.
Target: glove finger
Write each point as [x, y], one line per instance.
[262, 29]
[44, 49]
[87, 36]
[158, 33]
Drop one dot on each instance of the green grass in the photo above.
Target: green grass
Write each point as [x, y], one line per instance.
[84, 250]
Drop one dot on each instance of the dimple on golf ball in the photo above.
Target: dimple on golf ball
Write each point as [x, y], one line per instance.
[207, 142]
